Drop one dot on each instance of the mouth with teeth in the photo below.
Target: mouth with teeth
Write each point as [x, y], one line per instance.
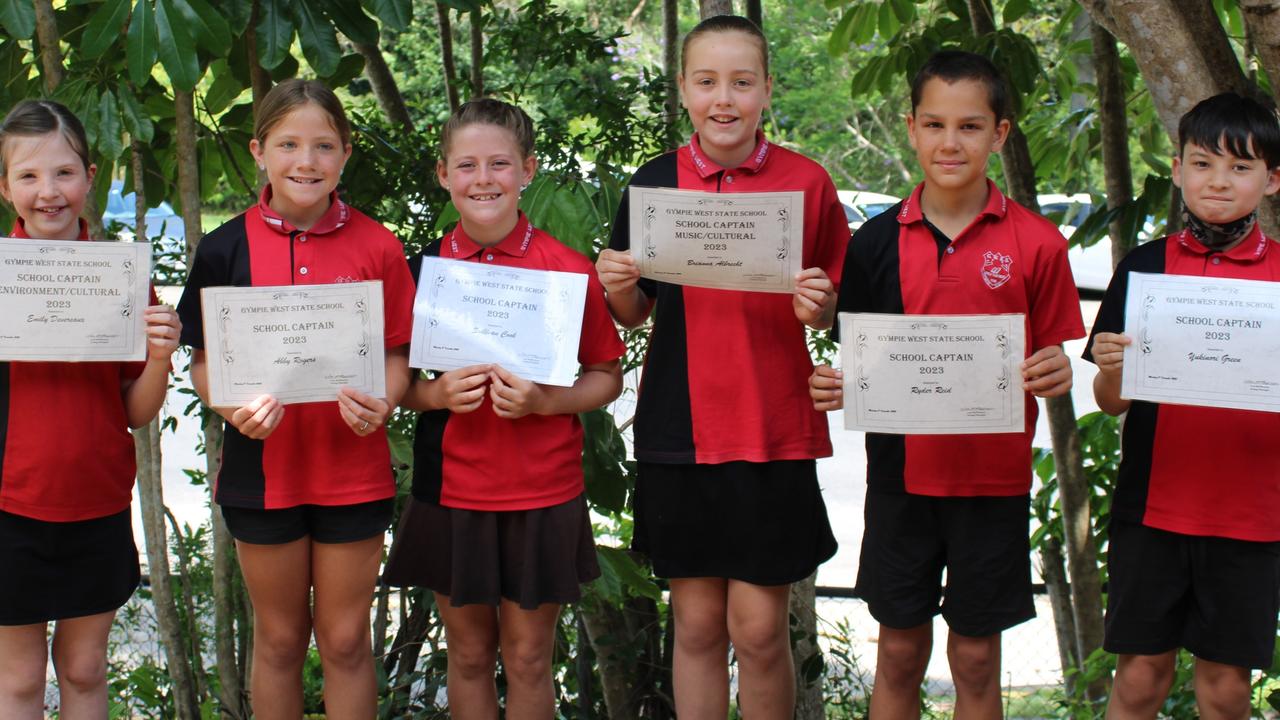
[51, 210]
[723, 119]
[486, 197]
[305, 181]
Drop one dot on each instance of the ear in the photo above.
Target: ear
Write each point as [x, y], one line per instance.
[911, 129]
[4, 188]
[530, 166]
[1273, 181]
[768, 92]
[91, 172]
[1176, 171]
[680, 87]
[255, 149]
[442, 173]
[346, 153]
[1002, 134]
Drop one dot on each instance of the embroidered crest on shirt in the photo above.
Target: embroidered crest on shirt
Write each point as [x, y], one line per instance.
[995, 268]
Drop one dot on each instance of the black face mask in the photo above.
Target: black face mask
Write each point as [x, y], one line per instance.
[1218, 237]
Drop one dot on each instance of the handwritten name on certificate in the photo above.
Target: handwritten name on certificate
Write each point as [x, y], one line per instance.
[933, 374]
[527, 321]
[731, 241]
[1202, 341]
[300, 343]
[73, 301]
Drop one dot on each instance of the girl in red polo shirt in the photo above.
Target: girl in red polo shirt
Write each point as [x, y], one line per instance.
[66, 456]
[498, 527]
[727, 503]
[307, 490]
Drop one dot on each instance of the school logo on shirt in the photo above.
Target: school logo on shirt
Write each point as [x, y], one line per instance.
[346, 279]
[995, 268]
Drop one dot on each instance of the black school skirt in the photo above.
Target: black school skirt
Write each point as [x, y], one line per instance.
[530, 557]
[58, 570]
[762, 523]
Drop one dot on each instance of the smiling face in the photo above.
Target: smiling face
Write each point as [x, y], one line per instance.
[725, 87]
[303, 155]
[46, 182]
[954, 131]
[484, 171]
[1219, 187]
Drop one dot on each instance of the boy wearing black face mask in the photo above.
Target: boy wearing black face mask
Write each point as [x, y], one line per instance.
[1194, 555]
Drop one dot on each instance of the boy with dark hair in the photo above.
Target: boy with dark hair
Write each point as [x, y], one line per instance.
[956, 246]
[1195, 562]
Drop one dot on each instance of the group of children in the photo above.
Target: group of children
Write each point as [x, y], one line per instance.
[727, 504]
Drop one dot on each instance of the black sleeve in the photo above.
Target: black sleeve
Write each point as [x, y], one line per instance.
[869, 281]
[659, 172]
[1148, 258]
[222, 258]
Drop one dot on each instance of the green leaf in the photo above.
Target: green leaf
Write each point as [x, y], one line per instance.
[177, 54]
[239, 13]
[104, 27]
[351, 21]
[904, 9]
[887, 22]
[1015, 10]
[619, 563]
[319, 41]
[286, 69]
[136, 120]
[864, 26]
[274, 32]
[602, 456]
[143, 46]
[842, 35]
[225, 89]
[1157, 163]
[210, 165]
[110, 142]
[395, 14]
[18, 17]
[349, 68]
[205, 24]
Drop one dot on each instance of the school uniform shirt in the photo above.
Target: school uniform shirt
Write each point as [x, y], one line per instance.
[1008, 260]
[1189, 469]
[66, 453]
[726, 375]
[312, 457]
[479, 461]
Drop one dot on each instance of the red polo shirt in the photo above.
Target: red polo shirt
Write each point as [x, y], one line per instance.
[726, 376]
[312, 457]
[1008, 260]
[1190, 469]
[479, 461]
[65, 448]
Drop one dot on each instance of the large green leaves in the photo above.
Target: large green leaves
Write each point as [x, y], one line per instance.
[206, 25]
[274, 32]
[143, 48]
[395, 14]
[110, 137]
[18, 18]
[319, 41]
[176, 52]
[351, 21]
[104, 27]
[136, 120]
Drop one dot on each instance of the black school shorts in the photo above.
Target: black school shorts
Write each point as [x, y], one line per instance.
[1217, 597]
[324, 523]
[981, 541]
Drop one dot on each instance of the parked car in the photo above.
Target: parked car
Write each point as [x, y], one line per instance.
[861, 206]
[165, 229]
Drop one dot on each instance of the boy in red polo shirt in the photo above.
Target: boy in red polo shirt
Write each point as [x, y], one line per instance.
[954, 501]
[1195, 563]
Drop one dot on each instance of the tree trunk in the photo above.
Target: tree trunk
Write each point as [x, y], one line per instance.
[809, 704]
[151, 494]
[50, 49]
[384, 86]
[708, 8]
[446, 55]
[1053, 570]
[227, 586]
[477, 54]
[1115, 133]
[612, 642]
[671, 67]
[1262, 18]
[755, 13]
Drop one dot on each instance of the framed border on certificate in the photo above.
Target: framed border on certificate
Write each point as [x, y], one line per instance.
[1202, 341]
[528, 321]
[731, 241]
[933, 374]
[299, 343]
[73, 300]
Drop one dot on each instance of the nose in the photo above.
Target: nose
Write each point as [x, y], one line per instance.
[1220, 177]
[722, 94]
[48, 186]
[951, 138]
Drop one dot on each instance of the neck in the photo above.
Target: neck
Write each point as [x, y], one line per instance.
[488, 235]
[302, 218]
[1219, 237]
[958, 206]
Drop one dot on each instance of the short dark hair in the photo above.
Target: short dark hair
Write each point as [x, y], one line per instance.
[952, 65]
[490, 111]
[31, 118]
[1233, 123]
[727, 23]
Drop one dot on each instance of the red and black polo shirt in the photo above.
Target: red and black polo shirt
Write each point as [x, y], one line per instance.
[1008, 260]
[312, 457]
[65, 449]
[726, 376]
[479, 461]
[1189, 469]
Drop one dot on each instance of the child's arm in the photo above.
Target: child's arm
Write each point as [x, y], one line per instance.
[619, 274]
[514, 397]
[255, 421]
[814, 298]
[826, 388]
[1108, 354]
[362, 412]
[459, 391]
[1047, 373]
[144, 395]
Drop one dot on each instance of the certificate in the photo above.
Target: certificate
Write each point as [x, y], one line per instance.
[299, 343]
[1202, 341]
[733, 241]
[933, 374]
[74, 300]
[527, 321]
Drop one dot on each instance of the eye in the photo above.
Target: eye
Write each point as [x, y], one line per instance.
[933, 124]
[1201, 164]
[706, 82]
[742, 83]
[325, 146]
[1241, 167]
[465, 165]
[288, 145]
